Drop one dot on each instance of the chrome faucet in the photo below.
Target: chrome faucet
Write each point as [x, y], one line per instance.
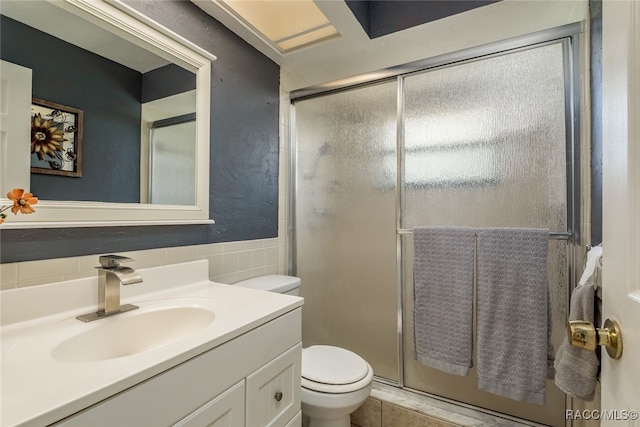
[110, 276]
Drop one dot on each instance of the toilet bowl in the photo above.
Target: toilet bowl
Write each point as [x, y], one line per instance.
[335, 381]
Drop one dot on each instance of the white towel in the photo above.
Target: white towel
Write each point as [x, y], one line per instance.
[513, 313]
[443, 297]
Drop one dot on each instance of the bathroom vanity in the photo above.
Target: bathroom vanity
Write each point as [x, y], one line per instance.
[195, 353]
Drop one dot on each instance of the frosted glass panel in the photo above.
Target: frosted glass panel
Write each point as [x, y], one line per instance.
[485, 146]
[485, 143]
[173, 155]
[345, 222]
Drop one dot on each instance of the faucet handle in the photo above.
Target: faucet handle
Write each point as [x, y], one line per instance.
[112, 261]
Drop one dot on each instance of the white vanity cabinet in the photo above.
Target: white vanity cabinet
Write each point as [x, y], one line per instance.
[273, 391]
[272, 398]
[226, 410]
[252, 380]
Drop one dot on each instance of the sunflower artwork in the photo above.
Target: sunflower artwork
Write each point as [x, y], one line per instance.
[56, 139]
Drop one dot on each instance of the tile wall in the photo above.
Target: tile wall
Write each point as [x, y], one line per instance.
[376, 413]
[228, 263]
[390, 406]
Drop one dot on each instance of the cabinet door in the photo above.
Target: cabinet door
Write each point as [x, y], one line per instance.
[226, 410]
[296, 421]
[273, 392]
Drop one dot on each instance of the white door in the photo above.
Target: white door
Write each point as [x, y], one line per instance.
[621, 204]
[15, 126]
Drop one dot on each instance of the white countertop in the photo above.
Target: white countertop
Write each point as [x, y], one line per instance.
[38, 390]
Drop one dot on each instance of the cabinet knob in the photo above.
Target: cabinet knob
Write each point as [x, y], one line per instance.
[278, 396]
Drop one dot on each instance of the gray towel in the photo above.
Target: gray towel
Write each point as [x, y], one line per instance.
[577, 369]
[443, 297]
[513, 313]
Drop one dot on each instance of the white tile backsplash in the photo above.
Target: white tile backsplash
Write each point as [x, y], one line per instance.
[206, 250]
[245, 260]
[8, 276]
[228, 263]
[215, 265]
[147, 258]
[38, 269]
[182, 253]
[257, 258]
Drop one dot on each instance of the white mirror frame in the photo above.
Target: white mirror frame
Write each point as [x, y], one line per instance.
[139, 29]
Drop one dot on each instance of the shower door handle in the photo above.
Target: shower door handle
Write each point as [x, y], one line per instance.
[583, 334]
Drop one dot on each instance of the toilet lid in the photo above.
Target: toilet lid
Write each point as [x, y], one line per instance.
[332, 365]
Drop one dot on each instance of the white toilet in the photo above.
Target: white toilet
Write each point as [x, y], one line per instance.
[335, 381]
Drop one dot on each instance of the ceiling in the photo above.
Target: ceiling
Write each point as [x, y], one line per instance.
[285, 25]
[410, 38]
[364, 30]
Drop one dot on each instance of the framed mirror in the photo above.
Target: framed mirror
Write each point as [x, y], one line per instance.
[116, 109]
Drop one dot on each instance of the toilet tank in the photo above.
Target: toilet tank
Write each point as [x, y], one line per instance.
[273, 283]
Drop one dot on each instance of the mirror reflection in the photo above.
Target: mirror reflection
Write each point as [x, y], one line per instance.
[111, 122]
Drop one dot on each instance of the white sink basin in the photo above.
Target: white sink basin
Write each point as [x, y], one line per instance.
[156, 324]
[137, 332]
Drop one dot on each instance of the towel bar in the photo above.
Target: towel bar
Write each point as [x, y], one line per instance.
[552, 235]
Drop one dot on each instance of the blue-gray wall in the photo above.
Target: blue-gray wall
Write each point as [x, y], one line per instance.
[166, 81]
[244, 153]
[381, 17]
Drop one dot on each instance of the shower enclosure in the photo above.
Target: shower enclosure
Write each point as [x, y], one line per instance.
[486, 139]
[172, 151]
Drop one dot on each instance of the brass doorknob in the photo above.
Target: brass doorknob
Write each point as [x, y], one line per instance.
[584, 335]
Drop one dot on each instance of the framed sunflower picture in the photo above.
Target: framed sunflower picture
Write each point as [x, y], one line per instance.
[56, 139]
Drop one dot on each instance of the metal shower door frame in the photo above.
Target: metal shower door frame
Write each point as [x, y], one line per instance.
[571, 38]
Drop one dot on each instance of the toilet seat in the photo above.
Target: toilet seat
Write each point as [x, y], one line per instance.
[331, 369]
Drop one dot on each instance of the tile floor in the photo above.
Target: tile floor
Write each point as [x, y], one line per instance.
[375, 413]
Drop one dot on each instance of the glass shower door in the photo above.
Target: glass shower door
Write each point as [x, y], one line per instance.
[485, 146]
[172, 154]
[346, 222]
